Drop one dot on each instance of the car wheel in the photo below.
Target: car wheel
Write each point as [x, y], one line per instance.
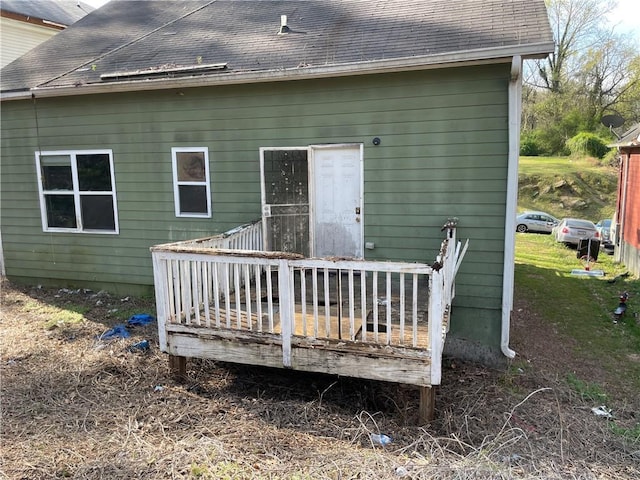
[522, 228]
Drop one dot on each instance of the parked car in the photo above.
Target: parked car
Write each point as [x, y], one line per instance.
[539, 222]
[571, 230]
[606, 239]
[604, 228]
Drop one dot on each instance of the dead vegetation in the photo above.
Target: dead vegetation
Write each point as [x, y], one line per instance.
[77, 407]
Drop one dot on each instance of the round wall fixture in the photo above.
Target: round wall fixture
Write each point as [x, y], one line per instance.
[376, 141]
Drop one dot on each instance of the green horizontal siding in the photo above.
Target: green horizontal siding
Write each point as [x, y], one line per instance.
[443, 153]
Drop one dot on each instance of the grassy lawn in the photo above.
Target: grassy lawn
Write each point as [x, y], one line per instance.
[582, 307]
[557, 165]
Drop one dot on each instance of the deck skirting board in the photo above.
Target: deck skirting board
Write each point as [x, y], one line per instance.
[373, 362]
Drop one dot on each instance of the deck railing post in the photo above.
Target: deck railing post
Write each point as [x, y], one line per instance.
[161, 287]
[451, 265]
[286, 299]
[435, 324]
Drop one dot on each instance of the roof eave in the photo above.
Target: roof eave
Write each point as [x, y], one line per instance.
[30, 19]
[629, 139]
[468, 57]
[630, 144]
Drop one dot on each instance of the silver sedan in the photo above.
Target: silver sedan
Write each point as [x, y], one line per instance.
[540, 222]
[571, 230]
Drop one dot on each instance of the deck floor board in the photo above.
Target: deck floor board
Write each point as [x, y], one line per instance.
[339, 327]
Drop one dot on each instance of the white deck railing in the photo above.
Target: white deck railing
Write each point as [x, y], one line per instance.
[228, 283]
[244, 237]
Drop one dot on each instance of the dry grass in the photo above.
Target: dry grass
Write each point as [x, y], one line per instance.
[76, 407]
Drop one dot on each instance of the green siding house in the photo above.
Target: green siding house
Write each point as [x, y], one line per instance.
[149, 122]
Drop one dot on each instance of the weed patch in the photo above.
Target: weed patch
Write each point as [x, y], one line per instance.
[587, 390]
[632, 434]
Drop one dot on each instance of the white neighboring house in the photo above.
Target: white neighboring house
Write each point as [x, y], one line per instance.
[24, 24]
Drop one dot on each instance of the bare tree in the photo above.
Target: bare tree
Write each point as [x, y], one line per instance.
[606, 75]
[576, 27]
[593, 71]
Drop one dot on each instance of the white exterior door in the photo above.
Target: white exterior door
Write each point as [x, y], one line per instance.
[336, 206]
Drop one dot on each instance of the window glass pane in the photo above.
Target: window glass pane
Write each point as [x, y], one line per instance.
[193, 198]
[56, 173]
[286, 177]
[97, 212]
[190, 166]
[94, 173]
[61, 211]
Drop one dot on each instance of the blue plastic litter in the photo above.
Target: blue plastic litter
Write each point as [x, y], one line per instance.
[380, 439]
[140, 346]
[119, 331]
[141, 319]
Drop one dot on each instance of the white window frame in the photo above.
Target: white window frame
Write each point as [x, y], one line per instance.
[72, 154]
[177, 183]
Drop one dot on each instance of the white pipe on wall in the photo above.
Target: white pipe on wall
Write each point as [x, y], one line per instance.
[515, 95]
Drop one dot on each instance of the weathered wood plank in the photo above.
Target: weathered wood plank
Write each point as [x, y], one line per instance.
[389, 369]
[331, 358]
[252, 349]
[245, 337]
[339, 328]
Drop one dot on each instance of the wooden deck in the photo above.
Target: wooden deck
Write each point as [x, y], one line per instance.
[377, 320]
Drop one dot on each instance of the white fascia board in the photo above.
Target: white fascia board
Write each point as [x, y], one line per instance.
[469, 57]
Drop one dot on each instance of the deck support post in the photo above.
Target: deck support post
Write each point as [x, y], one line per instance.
[427, 411]
[178, 368]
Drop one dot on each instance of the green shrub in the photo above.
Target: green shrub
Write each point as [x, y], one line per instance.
[529, 145]
[585, 143]
[552, 141]
[611, 158]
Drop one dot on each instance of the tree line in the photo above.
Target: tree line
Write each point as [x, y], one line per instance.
[593, 72]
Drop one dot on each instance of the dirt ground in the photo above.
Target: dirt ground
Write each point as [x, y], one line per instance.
[74, 406]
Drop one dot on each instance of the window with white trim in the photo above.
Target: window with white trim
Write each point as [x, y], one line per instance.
[77, 191]
[191, 191]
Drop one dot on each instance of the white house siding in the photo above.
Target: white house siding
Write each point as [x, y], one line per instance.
[17, 38]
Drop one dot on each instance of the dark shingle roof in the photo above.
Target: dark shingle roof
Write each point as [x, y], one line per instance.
[63, 12]
[347, 36]
[630, 138]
